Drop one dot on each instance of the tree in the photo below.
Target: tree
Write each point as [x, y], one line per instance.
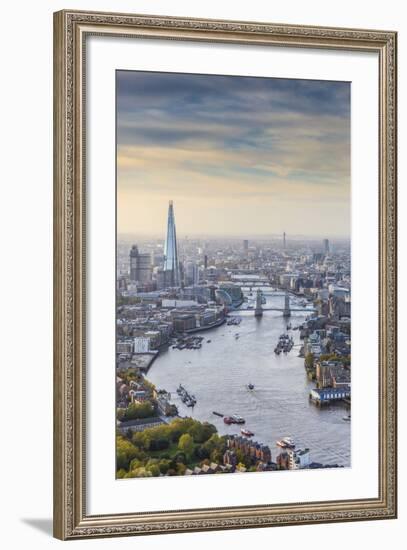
[214, 448]
[186, 444]
[309, 360]
[164, 466]
[201, 452]
[138, 410]
[125, 452]
[159, 444]
[142, 439]
[181, 468]
[153, 469]
[140, 472]
[202, 431]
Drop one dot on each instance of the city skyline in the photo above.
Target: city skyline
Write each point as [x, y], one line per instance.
[240, 156]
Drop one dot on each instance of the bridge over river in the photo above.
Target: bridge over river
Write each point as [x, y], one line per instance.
[286, 310]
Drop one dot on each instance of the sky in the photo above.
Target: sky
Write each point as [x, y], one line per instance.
[239, 156]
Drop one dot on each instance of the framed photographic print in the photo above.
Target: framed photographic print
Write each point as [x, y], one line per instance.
[225, 274]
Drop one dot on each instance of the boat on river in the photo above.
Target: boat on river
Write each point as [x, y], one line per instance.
[188, 399]
[234, 419]
[247, 433]
[286, 443]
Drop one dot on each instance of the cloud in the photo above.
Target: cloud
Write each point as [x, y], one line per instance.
[234, 139]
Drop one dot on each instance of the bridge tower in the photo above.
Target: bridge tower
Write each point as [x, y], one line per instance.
[287, 310]
[258, 312]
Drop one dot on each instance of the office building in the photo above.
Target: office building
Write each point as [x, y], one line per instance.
[171, 265]
[140, 266]
[246, 246]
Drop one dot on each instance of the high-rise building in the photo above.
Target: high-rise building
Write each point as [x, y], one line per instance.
[171, 265]
[284, 241]
[140, 265]
[191, 274]
[246, 246]
[326, 246]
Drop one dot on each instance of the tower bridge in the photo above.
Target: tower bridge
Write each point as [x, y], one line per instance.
[286, 310]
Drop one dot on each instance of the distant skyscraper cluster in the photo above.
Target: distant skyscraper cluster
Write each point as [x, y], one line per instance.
[169, 275]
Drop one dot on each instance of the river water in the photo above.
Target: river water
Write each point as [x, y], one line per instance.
[219, 372]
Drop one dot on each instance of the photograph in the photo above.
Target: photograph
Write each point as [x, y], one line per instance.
[233, 274]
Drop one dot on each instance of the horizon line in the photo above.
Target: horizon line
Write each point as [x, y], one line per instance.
[293, 236]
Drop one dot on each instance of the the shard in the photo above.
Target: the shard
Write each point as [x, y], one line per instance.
[171, 266]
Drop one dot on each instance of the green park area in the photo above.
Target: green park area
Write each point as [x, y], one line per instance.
[168, 449]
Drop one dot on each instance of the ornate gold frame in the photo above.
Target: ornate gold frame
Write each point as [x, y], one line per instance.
[70, 31]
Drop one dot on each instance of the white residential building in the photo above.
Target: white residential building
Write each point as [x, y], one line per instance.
[298, 459]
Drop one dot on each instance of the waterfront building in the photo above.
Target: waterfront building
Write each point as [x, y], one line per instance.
[184, 322]
[141, 344]
[155, 338]
[230, 458]
[164, 405]
[171, 265]
[298, 459]
[234, 291]
[124, 346]
[323, 396]
[314, 345]
[222, 297]
[331, 374]
[140, 266]
[253, 449]
[208, 317]
[166, 303]
[283, 461]
[201, 294]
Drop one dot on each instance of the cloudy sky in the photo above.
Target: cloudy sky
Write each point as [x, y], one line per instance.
[239, 156]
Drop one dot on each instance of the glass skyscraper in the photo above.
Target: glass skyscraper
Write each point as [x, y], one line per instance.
[171, 266]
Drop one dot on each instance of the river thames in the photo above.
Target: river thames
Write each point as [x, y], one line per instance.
[278, 406]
